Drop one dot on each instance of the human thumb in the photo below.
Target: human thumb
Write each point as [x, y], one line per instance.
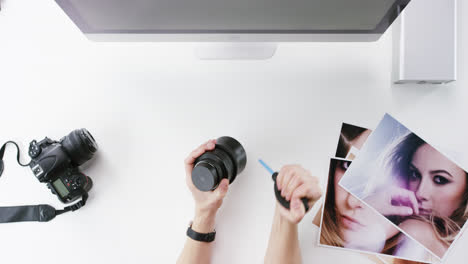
[297, 210]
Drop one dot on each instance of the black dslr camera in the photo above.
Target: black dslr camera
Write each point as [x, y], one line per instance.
[56, 163]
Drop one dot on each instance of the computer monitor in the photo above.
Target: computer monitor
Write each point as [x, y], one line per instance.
[233, 21]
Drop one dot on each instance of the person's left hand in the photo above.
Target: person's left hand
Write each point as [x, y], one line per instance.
[205, 202]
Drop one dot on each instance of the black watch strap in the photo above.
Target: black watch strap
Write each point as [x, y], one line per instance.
[202, 237]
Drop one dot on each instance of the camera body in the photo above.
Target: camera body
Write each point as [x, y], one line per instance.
[56, 164]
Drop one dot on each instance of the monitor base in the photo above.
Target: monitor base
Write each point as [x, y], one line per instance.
[235, 51]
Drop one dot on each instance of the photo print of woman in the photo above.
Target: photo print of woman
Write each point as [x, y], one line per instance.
[418, 189]
[348, 223]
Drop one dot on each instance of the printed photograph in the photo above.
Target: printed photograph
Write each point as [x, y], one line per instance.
[347, 223]
[351, 140]
[414, 186]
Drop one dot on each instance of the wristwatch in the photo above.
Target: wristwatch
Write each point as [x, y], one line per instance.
[202, 237]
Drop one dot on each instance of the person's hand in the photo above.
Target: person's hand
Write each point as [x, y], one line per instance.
[394, 201]
[295, 183]
[206, 203]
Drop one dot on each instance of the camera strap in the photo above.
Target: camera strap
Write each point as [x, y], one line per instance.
[36, 213]
[2, 153]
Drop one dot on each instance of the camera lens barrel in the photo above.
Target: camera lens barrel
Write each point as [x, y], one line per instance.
[227, 160]
[80, 146]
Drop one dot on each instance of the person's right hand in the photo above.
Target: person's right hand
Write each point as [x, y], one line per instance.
[295, 183]
[206, 203]
[394, 201]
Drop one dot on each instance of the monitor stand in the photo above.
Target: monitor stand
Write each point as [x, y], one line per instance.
[235, 50]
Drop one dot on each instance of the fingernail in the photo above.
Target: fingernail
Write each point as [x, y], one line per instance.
[210, 145]
[410, 211]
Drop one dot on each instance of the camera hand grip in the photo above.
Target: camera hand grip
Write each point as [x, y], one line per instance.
[285, 203]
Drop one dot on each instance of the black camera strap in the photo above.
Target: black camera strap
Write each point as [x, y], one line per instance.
[39, 213]
[2, 153]
[73, 207]
[34, 213]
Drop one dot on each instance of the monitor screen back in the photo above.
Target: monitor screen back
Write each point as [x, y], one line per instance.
[233, 16]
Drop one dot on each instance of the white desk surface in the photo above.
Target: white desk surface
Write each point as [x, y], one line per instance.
[149, 104]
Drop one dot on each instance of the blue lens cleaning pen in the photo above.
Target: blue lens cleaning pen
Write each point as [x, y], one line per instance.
[285, 203]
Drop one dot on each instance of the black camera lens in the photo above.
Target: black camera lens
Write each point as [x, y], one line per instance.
[80, 146]
[225, 161]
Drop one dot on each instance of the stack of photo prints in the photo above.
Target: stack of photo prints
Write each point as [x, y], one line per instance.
[392, 196]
